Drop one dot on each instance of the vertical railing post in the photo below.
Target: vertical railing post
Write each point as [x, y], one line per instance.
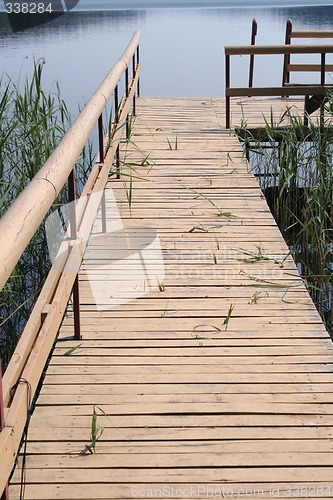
[253, 42]
[135, 63]
[322, 83]
[286, 59]
[126, 93]
[76, 294]
[306, 110]
[247, 150]
[101, 160]
[322, 69]
[101, 139]
[5, 494]
[138, 62]
[227, 86]
[134, 72]
[116, 106]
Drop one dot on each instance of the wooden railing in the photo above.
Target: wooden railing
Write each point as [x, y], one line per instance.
[301, 35]
[24, 217]
[320, 90]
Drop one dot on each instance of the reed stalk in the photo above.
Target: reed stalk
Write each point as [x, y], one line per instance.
[32, 122]
[294, 167]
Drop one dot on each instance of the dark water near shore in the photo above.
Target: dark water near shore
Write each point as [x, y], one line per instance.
[182, 48]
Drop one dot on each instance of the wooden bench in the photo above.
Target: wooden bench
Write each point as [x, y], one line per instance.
[314, 94]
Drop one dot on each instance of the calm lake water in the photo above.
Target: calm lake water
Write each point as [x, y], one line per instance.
[181, 51]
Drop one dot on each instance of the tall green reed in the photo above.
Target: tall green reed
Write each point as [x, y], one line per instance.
[32, 122]
[294, 167]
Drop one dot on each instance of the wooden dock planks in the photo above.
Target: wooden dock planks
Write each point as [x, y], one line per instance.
[196, 407]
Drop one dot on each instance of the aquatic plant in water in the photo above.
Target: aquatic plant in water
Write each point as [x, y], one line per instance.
[294, 167]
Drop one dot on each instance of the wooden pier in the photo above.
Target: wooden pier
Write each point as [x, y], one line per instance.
[194, 405]
[191, 359]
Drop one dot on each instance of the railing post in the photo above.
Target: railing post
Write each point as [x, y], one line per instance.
[76, 294]
[306, 110]
[322, 69]
[101, 139]
[286, 59]
[101, 160]
[5, 494]
[134, 72]
[138, 62]
[253, 42]
[116, 106]
[127, 91]
[322, 82]
[227, 86]
[135, 63]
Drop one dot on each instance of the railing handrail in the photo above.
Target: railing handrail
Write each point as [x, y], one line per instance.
[240, 50]
[24, 216]
[311, 34]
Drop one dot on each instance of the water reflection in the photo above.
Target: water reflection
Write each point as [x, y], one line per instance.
[72, 24]
[79, 48]
[319, 17]
[39, 14]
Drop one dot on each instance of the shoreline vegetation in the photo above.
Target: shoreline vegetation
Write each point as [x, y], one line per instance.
[32, 122]
[293, 166]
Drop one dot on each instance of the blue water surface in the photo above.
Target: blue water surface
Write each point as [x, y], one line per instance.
[182, 49]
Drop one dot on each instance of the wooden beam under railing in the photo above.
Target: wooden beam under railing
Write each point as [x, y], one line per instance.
[312, 34]
[234, 50]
